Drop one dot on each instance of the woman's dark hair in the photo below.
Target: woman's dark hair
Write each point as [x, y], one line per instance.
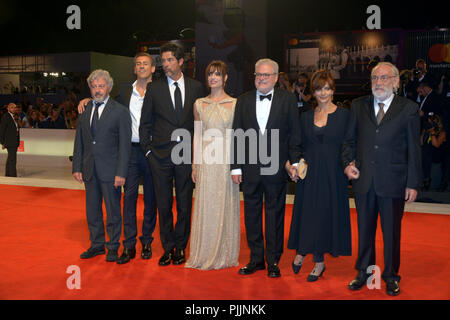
[217, 65]
[320, 79]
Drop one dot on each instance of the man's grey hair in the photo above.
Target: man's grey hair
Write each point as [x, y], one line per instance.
[100, 73]
[270, 62]
[395, 71]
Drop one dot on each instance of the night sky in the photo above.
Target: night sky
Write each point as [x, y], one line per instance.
[108, 26]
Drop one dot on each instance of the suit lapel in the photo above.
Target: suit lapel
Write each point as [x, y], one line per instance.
[127, 96]
[273, 108]
[252, 110]
[106, 111]
[187, 98]
[87, 120]
[170, 106]
[371, 110]
[393, 110]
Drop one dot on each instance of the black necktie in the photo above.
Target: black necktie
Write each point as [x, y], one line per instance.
[94, 123]
[178, 103]
[269, 97]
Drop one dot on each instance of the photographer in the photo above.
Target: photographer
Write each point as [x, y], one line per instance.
[302, 92]
[420, 75]
[431, 102]
[432, 139]
[406, 87]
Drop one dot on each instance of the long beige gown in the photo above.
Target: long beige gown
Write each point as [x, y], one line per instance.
[215, 231]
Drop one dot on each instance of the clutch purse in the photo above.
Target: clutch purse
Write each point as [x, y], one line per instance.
[302, 168]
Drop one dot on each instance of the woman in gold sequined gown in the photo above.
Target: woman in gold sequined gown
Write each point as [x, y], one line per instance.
[215, 231]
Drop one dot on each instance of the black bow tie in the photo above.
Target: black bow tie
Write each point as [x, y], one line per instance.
[269, 97]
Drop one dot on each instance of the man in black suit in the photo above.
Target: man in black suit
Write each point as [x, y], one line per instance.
[9, 139]
[100, 159]
[382, 155]
[269, 118]
[419, 75]
[167, 108]
[431, 102]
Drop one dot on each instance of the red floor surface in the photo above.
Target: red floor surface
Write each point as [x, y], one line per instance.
[44, 231]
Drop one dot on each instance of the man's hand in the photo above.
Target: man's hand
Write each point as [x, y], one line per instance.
[194, 175]
[351, 171]
[292, 171]
[78, 176]
[237, 178]
[119, 182]
[410, 195]
[82, 105]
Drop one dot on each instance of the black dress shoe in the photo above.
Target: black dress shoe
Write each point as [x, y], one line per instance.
[359, 281]
[126, 256]
[273, 271]
[392, 288]
[92, 252]
[313, 277]
[251, 267]
[179, 257]
[166, 258]
[112, 255]
[146, 251]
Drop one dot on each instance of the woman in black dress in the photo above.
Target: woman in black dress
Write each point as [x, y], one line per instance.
[321, 215]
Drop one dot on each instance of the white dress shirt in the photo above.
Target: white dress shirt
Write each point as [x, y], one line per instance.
[386, 102]
[136, 102]
[172, 88]
[263, 110]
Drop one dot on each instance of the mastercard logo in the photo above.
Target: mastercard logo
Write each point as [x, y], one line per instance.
[439, 53]
[293, 42]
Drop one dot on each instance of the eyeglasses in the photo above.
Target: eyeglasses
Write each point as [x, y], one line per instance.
[98, 86]
[383, 78]
[263, 75]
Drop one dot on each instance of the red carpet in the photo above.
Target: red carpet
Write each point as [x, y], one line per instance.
[44, 231]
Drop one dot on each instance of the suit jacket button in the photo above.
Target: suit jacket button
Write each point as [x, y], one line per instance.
[375, 146]
[377, 131]
[93, 142]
